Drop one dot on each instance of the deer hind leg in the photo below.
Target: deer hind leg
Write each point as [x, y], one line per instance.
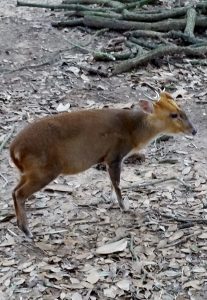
[28, 185]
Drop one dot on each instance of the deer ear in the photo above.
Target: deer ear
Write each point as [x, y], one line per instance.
[146, 106]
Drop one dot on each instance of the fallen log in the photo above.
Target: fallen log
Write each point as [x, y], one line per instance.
[122, 25]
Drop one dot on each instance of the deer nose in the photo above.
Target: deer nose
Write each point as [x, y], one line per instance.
[194, 131]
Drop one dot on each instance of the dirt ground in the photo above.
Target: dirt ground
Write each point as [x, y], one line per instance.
[165, 257]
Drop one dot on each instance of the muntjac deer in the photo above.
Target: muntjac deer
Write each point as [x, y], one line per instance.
[69, 143]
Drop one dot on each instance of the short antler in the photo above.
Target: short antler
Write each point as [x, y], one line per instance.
[156, 91]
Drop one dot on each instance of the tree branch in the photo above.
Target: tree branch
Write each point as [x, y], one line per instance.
[156, 53]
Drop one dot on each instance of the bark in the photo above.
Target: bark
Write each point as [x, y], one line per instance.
[122, 55]
[81, 13]
[109, 14]
[103, 56]
[69, 23]
[136, 49]
[190, 23]
[157, 53]
[145, 33]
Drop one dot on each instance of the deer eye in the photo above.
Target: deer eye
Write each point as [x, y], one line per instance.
[174, 115]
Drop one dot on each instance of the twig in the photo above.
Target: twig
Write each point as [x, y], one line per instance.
[31, 243]
[182, 240]
[183, 183]
[119, 237]
[52, 232]
[154, 182]
[4, 178]
[6, 139]
[12, 232]
[45, 63]
[83, 48]
[131, 248]
[182, 220]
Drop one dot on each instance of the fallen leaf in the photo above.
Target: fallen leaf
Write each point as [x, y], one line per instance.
[113, 247]
[76, 296]
[186, 170]
[203, 235]
[110, 292]
[176, 236]
[44, 246]
[74, 70]
[169, 273]
[8, 263]
[29, 269]
[9, 241]
[93, 277]
[193, 283]
[199, 270]
[19, 281]
[123, 284]
[85, 78]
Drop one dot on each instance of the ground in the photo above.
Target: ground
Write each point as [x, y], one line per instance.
[165, 257]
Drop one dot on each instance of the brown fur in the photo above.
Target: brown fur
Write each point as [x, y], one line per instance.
[70, 143]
